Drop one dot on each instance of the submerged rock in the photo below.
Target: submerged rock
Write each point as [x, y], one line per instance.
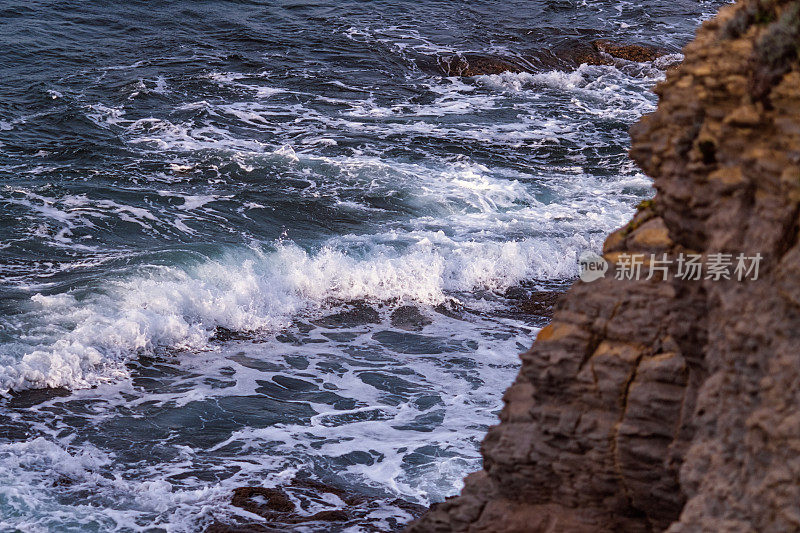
[598, 52]
[358, 314]
[651, 405]
[539, 303]
[30, 397]
[262, 501]
[630, 52]
[223, 334]
[451, 308]
[275, 505]
[476, 65]
[409, 318]
[281, 514]
[605, 52]
[246, 527]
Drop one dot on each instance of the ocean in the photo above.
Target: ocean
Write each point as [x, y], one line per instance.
[248, 242]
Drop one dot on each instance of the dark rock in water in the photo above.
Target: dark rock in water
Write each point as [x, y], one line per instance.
[359, 314]
[539, 303]
[63, 481]
[414, 509]
[274, 505]
[604, 52]
[219, 527]
[335, 515]
[574, 54]
[598, 52]
[631, 52]
[516, 293]
[31, 397]
[262, 501]
[223, 334]
[409, 318]
[476, 65]
[451, 308]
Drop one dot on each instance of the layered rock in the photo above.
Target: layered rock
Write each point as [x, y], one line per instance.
[651, 405]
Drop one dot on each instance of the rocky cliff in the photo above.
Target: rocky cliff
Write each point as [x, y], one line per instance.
[674, 404]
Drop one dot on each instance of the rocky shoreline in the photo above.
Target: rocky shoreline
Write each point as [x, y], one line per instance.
[651, 405]
[325, 506]
[273, 504]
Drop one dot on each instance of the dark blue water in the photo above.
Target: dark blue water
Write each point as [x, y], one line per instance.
[210, 213]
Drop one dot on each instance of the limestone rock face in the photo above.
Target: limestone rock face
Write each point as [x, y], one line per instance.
[652, 405]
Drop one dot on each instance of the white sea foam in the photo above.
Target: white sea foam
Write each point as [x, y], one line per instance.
[170, 494]
[171, 307]
[618, 92]
[473, 228]
[436, 190]
[29, 469]
[70, 213]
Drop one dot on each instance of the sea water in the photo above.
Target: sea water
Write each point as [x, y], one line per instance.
[214, 216]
